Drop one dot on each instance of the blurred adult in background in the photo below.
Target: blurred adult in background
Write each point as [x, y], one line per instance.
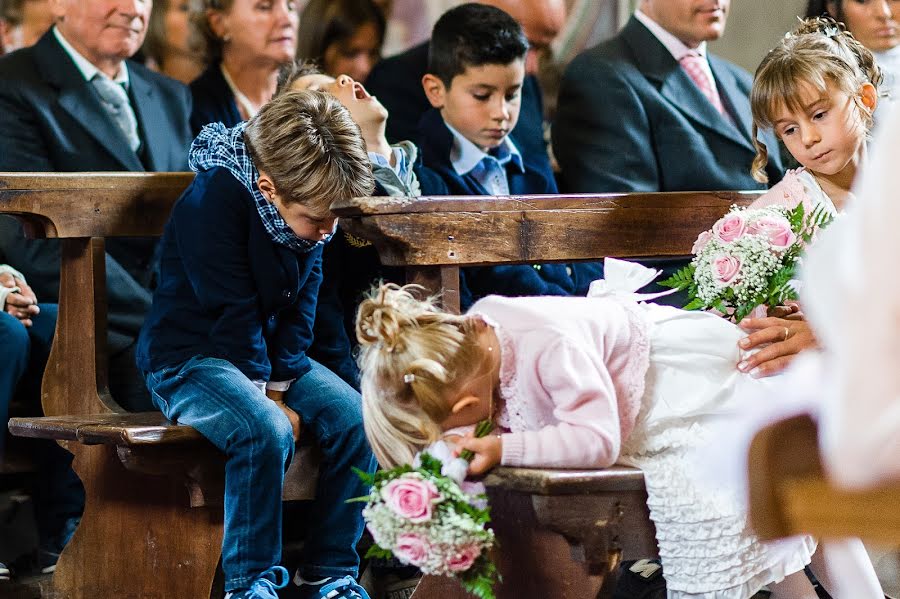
[74, 102]
[167, 47]
[343, 36]
[245, 42]
[23, 23]
[397, 81]
[653, 110]
[874, 23]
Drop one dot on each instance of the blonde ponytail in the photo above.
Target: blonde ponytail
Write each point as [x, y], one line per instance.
[412, 357]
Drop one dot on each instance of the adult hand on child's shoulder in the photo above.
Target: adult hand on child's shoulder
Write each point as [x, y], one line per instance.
[783, 339]
[488, 452]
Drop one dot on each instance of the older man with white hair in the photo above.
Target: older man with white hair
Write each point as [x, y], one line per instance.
[74, 102]
[397, 81]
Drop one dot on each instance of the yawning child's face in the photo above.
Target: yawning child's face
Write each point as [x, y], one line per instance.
[365, 109]
[483, 102]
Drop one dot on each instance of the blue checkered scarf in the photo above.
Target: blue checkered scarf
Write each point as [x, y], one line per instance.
[219, 146]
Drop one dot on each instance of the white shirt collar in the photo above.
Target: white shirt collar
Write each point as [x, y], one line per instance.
[464, 155]
[85, 66]
[675, 46]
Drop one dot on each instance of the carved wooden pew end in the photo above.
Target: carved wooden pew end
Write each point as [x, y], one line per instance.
[152, 525]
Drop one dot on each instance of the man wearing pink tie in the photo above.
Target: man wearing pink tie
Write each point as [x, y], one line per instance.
[652, 110]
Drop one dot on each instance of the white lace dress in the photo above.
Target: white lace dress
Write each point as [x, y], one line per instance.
[707, 548]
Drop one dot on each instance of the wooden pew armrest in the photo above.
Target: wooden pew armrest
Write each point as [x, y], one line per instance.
[790, 494]
[544, 481]
[148, 443]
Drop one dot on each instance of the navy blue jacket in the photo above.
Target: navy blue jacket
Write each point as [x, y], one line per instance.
[226, 290]
[350, 267]
[397, 81]
[512, 280]
[213, 100]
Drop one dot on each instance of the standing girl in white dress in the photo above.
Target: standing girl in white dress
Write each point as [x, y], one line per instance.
[583, 383]
[817, 90]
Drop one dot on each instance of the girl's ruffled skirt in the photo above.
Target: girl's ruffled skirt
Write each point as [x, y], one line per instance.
[693, 388]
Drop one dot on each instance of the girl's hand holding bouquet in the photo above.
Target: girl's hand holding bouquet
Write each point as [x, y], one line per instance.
[426, 515]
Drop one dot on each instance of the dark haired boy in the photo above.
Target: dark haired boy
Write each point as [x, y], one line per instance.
[476, 67]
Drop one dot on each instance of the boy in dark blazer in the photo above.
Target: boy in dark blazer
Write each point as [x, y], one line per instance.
[225, 346]
[474, 84]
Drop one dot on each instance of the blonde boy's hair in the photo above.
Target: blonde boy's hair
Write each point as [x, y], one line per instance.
[413, 356]
[311, 148]
[819, 51]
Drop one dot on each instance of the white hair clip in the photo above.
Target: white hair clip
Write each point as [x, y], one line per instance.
[408, 378]
[831, 32]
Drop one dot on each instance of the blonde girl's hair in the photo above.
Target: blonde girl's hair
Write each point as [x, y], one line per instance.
[412, 357]
[817, 52]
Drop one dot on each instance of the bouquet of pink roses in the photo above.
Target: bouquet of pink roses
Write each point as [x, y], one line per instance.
[748, 259]
[426, 515]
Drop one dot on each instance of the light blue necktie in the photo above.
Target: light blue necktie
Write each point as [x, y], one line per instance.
[114, 99]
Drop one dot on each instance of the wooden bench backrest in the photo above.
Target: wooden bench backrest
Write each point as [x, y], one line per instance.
[434, 236]
[81, 210]
[431, 236]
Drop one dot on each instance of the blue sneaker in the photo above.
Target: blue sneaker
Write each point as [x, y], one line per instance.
[330, 588]
[5, 572]
[265, 586]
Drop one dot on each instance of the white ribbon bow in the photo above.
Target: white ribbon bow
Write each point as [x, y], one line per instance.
[622, 279]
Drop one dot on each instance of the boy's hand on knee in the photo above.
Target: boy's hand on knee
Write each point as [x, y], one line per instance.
[293, 417]
[488, 452]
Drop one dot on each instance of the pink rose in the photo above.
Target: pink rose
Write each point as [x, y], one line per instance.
[411, 497]
[725, 268]
[729, 227]
[702, 239]
[776, 229]
[464, 557]
[411, 548]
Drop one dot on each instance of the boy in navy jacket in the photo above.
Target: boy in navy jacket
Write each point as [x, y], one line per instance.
[224, 347]
[476, 68]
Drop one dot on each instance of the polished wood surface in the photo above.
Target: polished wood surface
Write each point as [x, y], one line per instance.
[477, 230]
[109, 204]
[790, 493]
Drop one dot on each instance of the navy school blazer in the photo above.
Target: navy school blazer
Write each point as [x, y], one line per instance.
[509, 280]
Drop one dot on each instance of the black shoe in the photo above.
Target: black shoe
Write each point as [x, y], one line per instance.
[5, 573]
[47, 561]
[640, 579]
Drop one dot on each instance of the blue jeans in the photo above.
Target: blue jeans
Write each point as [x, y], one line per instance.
[215, 398]
[57, 491]
[23, 355]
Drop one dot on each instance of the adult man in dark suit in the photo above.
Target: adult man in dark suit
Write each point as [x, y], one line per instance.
[397, 81]
[73, 102]
[650, 110]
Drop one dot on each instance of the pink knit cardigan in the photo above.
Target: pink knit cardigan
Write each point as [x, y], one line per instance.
[572, 377]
